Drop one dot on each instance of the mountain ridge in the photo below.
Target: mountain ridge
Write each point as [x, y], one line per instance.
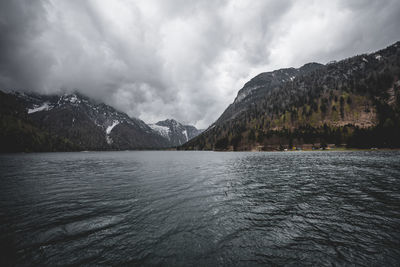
[78, 122]
[175, 132]
[341, 102]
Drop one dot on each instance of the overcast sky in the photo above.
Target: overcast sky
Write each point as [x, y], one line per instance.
[182, 59]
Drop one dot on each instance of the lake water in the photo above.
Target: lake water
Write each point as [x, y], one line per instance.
[200, 208]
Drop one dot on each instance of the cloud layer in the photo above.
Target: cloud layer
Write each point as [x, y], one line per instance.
[178, 59]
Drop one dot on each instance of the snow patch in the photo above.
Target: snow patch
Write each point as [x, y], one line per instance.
[364, 59]
[109, 128]
[378, 57]
[45, 106]
[109, 140]
[108, 131]
[161, 130]
[73, 99]
[184, 132]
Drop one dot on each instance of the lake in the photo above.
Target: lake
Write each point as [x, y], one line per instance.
[200, 208]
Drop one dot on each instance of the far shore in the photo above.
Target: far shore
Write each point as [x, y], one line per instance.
[341, 149]
[307, 150]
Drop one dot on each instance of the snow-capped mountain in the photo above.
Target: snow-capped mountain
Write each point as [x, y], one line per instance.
[76, 122]
[175, 132]
[90, 125]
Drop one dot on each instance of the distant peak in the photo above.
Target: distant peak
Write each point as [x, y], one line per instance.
[310, 67]
[311, 64]
[168, 122]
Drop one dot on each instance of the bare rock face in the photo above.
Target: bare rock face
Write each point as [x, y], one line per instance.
[176, 133]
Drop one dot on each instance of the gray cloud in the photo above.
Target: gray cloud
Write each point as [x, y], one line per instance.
[178, 59]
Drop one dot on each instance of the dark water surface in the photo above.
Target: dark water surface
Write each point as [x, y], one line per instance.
[200, 208]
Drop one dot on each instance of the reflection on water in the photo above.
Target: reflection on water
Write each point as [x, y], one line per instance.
[200, 208]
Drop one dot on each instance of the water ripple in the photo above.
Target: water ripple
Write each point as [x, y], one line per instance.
[200, 208]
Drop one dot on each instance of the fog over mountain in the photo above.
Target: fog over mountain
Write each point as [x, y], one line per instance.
[178, 59]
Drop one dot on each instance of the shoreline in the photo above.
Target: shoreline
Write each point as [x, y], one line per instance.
[166, 150]
[308, 150]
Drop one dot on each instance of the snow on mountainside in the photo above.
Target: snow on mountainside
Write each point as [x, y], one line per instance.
[97, 126]
[37, 108]
[161, 130]
[108, 131]
[175, 132]
[90, 124]
[101, 114]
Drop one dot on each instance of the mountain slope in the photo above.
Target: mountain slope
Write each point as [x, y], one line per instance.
[175, 132]
[82, 122]
[19, 134]
[260, 85]
[353, 102]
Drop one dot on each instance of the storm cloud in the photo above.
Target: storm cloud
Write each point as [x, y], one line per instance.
[178, 59]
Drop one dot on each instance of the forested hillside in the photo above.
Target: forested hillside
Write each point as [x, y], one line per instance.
[68, 122]
[18, 132]
[354, 102]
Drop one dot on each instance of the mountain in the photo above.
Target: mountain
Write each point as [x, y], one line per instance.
[354, 102]
[70, 122]
[33, 122]
[18, 133]
[176, 133]
[260, 85]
